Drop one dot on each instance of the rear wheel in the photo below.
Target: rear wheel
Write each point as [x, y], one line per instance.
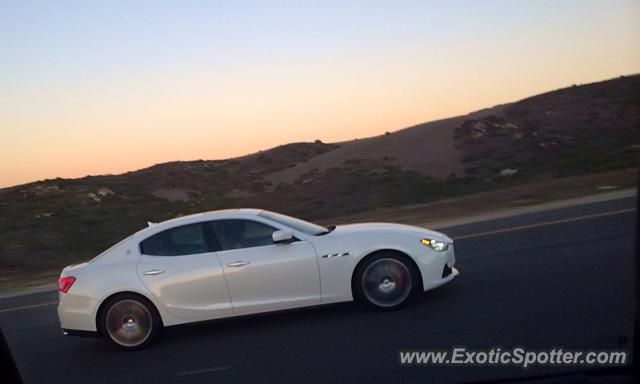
[130, 321]
[385, 282]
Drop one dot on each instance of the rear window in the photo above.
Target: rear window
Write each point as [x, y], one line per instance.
[178, 241]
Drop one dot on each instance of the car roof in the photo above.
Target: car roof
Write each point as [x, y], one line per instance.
[210, 215]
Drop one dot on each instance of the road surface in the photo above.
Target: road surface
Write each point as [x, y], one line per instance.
[562, 277]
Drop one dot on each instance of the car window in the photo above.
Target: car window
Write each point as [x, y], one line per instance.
[183, 240]
[235, 234]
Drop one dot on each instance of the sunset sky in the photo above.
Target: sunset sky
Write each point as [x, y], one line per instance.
[108, 87]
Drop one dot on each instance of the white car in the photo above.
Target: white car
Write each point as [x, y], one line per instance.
[245, 261]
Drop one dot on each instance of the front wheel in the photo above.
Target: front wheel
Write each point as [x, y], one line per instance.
[130, 322]
[384, 282]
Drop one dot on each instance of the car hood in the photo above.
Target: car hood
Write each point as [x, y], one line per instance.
[389, 227]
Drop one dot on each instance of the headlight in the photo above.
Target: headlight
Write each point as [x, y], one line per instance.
[436, 245]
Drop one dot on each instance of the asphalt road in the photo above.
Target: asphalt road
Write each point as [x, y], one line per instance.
[556, 278]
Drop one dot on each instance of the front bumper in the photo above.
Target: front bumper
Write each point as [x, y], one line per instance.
[446, 271]
[439, 269]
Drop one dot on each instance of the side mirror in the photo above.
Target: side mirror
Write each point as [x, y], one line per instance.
[282, 237]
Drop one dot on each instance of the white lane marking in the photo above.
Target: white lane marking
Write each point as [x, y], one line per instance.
[202, 371]
[27, 307]
[544, 224]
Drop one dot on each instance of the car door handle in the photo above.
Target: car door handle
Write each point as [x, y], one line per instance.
[153, 272]
[238, 263]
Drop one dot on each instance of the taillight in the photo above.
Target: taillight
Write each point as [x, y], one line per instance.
[65, 283]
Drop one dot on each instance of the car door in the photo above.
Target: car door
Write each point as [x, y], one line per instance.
[179, 266]
[263, 276]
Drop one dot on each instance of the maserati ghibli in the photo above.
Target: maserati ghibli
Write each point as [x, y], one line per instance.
[245, 261]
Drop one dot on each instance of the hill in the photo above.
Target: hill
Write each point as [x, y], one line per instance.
[571, 131]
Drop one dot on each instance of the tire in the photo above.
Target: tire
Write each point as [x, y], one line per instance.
[130, 321]
[385, 281]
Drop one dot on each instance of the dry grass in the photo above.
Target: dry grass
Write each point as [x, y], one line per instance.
[534, 193]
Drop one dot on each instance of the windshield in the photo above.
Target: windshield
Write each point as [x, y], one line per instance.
[293, 223]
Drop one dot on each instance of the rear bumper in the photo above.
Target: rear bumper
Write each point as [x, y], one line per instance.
[77, 312]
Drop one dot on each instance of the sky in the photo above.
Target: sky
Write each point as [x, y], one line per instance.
[106, 87]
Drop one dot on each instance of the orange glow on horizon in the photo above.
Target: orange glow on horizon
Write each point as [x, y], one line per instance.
[63, 114]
